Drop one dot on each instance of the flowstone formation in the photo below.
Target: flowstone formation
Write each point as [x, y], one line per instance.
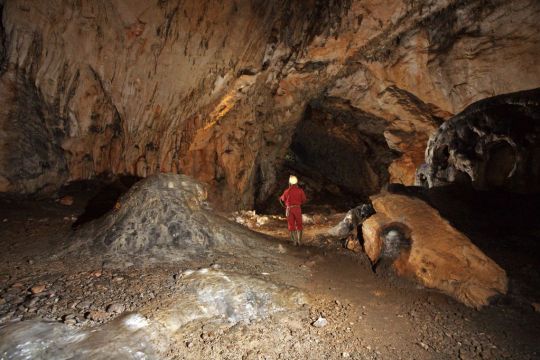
[198, 297]
[495, 144]
[423, 245]
[217, 89]
[166, 216]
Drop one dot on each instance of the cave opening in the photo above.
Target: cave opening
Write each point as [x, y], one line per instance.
[99, 195]
[340, 156]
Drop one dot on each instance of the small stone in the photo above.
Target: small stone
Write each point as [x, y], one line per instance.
[69, 319]
[345, 354]
[96, 315]
[70, 322]
[116, 308]
[320, 322]
[66, 200]
[6, 317]
[189, 344]
[423, 345]
[97, 273]
[33, 301]
[38, 289]
[84, 304]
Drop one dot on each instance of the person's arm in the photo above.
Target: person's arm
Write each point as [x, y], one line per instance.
[282, 199]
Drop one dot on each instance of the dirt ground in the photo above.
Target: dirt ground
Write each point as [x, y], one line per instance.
[369, 315]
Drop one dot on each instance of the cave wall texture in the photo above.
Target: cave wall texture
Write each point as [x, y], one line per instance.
[215, 89]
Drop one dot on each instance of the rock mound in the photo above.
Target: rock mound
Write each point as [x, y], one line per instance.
[164, 212]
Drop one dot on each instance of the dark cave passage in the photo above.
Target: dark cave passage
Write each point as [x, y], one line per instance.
[99, 195]
[340, 156]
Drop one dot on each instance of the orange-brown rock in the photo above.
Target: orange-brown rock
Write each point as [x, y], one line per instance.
[37, 289]
[66, 200]
[439, 256]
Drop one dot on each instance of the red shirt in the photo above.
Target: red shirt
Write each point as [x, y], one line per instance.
[293, 196]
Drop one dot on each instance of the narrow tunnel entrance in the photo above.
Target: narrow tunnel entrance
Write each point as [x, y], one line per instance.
[339, 154]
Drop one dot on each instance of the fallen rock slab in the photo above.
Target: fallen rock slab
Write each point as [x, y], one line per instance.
[426, 247]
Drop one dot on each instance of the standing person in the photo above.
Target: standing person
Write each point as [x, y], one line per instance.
[292, 199]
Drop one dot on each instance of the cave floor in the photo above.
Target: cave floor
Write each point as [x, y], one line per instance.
[370, 316]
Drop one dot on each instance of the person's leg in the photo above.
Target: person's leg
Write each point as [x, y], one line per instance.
[299, 224]
[291, 226]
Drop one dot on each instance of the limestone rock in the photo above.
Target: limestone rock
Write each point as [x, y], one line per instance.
[495, 144]
[425, 246]
[131, 87]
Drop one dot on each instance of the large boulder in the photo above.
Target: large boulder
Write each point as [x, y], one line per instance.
[423, 245]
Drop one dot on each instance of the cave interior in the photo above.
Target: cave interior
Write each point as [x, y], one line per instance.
[144, 148]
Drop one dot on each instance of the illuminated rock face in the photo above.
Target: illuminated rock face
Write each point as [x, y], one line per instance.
[423, 245]
[216, 89]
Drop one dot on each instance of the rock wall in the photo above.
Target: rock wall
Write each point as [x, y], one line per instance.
[215, 89]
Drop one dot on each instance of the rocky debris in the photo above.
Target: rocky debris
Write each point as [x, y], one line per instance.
[35, 339]
[81, 298]
[491, 144]
[166, 215]
[251, 219]
[422, 244]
